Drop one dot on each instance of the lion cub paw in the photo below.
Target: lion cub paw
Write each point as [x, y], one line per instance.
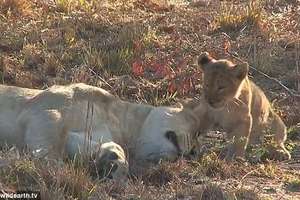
[230, 154]
[283, 155]
[278, 154]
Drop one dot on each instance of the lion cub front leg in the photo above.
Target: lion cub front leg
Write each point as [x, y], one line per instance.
[239, 135]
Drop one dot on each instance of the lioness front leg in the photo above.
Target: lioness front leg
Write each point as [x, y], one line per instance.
[108, 159]
[44, 132]
[239, 137]
[111, 162]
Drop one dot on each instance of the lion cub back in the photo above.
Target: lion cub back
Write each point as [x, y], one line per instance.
[260, 107]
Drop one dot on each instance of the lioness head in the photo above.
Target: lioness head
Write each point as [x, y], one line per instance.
[166, 134]
[222, 79]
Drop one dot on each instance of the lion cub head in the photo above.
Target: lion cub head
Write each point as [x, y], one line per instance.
[222, 79]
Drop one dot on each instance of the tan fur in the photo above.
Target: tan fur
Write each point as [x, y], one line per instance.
[236, 104]
[68, 118]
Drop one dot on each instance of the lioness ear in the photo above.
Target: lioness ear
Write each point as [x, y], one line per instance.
[240, 71]
[204, 59]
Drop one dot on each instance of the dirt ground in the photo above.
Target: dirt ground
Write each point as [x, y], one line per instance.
[145, 51]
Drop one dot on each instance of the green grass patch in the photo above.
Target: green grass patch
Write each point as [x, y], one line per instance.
[293, 185]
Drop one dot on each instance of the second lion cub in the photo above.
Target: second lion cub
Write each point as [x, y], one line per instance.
[239, 106]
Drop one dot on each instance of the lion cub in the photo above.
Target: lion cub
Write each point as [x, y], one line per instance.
[237, 105]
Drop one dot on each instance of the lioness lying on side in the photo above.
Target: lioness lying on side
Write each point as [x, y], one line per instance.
[79, 119]
[239, 106]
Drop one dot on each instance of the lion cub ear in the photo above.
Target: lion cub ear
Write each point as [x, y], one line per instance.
[203, 59]
[240, 71]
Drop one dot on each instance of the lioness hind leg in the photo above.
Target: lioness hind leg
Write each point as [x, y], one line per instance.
[44, 133]
[280, 135]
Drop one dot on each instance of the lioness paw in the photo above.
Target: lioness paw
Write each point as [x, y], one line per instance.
[111, 162]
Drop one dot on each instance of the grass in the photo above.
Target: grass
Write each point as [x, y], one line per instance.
[213, 192]
[246, 194]
[212, 166]
[234, 17]
[270, 170]
[293, 185]
[97, 42]
[28, 173]
[72, 181]
[68, 6]
[293, 132]
[15, 7]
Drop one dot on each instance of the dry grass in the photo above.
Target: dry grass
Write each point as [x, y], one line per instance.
[181, 179]
[246, 195]
[15, 7]
[235, 17]
[213, 166]
[293, 185]
[52, 179]
[143, 51]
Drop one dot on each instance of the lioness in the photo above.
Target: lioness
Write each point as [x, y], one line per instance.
[68, 118]
[238, 105]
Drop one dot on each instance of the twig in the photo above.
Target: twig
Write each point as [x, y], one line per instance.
[88, 128]
[241, 183]
[297, 64]
[93, 72]
[288, 90]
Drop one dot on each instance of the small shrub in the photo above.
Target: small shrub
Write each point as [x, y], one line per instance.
[270, 170]
[76, 182]
[235, 17]
[213, 192]
[212, 166]
[15, 7]
[293, 132]
[293, 185]
[158, 175]
[68, 5]
[245, 194]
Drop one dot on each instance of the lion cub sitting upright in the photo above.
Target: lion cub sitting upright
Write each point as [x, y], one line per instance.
[238, 106]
